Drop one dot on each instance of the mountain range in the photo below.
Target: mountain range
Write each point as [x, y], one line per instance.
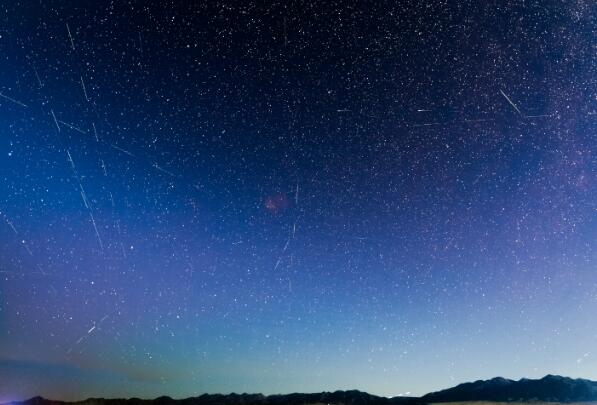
[547, 389]
[550, 388]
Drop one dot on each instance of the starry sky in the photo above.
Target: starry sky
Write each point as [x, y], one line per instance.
[301, 196]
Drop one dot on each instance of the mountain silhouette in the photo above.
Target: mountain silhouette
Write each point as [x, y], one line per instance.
[353, 397]
[550, 388]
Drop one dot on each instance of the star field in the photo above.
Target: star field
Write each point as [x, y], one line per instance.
[295, 197]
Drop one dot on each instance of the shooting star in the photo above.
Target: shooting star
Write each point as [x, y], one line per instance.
[510, 101]
[99, 239]
[163, 170]
[84, 89]
[13, 100]
[95, 132]
[122, 150]
[73, 127]
[72, 43]
[55, 120]
[37, 76]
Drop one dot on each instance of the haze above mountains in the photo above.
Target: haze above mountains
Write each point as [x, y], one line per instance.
[547, 389]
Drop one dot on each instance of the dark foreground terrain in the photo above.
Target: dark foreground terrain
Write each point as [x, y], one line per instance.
[551, 389]
[338, 397]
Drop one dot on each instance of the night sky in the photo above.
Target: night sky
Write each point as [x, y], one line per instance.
[394, 196]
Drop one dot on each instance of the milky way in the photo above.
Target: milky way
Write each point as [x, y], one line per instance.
[387, 196]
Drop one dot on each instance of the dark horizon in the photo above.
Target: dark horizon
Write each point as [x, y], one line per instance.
[548, 377]
[555, 389]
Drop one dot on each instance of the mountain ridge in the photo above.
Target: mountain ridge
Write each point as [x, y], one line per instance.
[551, 388]
[336, 397]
